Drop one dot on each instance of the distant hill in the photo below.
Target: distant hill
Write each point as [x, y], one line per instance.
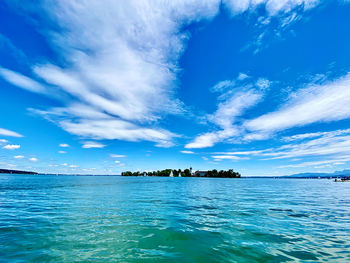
[344, 173]
[6, 171]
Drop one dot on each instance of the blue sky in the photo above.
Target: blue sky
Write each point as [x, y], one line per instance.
[99, 87]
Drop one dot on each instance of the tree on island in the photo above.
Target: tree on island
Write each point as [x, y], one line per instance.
[187, 173]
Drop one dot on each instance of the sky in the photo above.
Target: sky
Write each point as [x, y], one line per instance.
[100, 87]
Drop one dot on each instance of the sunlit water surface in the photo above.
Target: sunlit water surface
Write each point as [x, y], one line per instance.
[140, 219]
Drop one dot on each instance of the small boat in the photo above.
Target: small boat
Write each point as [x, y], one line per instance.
[171, 174]
[344, 179]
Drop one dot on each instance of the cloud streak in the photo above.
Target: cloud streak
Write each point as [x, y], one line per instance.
[21, 81]
[334, 146]
[187, 152]
[117, 155]
[322, 103]
[9, 133]
[88, 145]
[237, 98]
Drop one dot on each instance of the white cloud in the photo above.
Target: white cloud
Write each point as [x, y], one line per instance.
[211, 138]
[117, 161]
[323, 103]
[331, 143]
[62, 152]
[3, 141]
[64, 145]
[242, 76]
[73, 166]
[9, 133]
[230, 109]
[187, 152]
[279, 13]
[235, 104]
[11, 146]
[272, 6]
[243, 152]
[88, 145]
[223, 85]
[331, 147]
[33, 159]
[319, 164]
[117, 129]
[117, 155]
[303, 136]
[121, 62]
[18, 157]
[21, 81]
[228, 157]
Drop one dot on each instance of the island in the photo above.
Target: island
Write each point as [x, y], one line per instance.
[186, 173]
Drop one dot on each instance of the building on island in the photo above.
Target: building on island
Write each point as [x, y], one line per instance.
[201, 173]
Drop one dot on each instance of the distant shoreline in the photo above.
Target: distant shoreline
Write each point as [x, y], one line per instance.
[197, 174]
[7, 171]
[118, 175]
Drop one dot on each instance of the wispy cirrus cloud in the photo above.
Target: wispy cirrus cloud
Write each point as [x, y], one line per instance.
[117, 155]
[236, 98]
[117, 129]
[187, 152]
[335, 143]
[273, 7]
[316, 103]
[121, 71]
[318, 164]
[334, 146]
[9, 133]
[121, 63]
[228, 157]
[22, 81]
[88, 145]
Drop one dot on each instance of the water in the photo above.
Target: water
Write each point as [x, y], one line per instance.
[140, 219]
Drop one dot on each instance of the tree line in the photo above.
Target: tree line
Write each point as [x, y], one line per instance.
[186, 173]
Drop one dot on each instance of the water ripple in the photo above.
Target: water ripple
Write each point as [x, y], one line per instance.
[99, 219]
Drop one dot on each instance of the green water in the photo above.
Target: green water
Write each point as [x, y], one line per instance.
[118, 219]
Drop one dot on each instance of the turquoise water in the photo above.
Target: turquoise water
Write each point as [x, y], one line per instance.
[142, 219]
